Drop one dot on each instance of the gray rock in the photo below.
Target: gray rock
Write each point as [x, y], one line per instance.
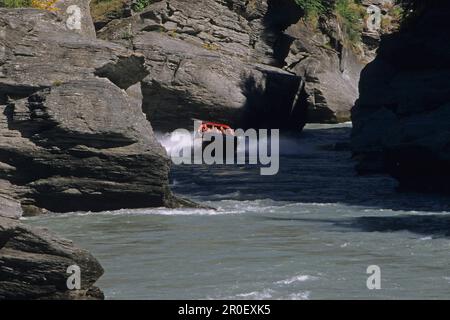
[186, 81]
[34, 263]
[10, 208]
[401, 118]
[330, 69]
[70, 136]
[208, 61]
[202, 55]
[52, 54]
[76, 15]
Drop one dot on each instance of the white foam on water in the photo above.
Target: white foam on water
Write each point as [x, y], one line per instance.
[254, 206]
[175, 141]
[317, 204]
[287, 145]
[300, 296]
[234, 194]
[319, 126]
[267, 294]
[221, 207]
[298, 278]
[257, 295]
[150, 211]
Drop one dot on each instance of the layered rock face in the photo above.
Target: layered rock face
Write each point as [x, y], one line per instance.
[329, 66]
[401, 120]
[248, 63]
[34, 265]
[207, 60]
[71, 137]
[329, 62]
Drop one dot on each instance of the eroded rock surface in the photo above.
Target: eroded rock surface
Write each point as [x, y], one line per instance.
[206, 60]
[222, 60]
[34, 263]
[70, 136]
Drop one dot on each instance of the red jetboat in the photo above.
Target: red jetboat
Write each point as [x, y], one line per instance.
[214, 128]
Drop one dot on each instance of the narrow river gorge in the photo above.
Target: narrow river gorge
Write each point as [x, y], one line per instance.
[309, 232]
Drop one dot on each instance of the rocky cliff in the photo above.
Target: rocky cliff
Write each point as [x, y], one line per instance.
[206, 61]
[249, 63]
[401, 120]
[72, 133]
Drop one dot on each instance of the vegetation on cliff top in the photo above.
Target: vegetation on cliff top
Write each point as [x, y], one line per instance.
[140, 5]
[350, 14]
[15, 3]
[313, 8]
[104, 10]
[38, 4]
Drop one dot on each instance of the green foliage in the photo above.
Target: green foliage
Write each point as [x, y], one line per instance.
[15, 3]
[140, 5]
[106, 10]
[351, 15]
[396, 12]
[37, 4]
[313, 8]
[126, 35]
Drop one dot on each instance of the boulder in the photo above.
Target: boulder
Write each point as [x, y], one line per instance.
[331, 71]
[34, 265]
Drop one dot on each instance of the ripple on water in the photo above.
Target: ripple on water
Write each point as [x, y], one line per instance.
[309, 232]
[298, 278]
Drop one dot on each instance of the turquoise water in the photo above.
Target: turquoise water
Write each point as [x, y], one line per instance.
[309, 232]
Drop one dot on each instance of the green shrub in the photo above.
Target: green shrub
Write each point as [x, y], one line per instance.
[140, 5]
[15, 3]
[38, 4]
[313, 8]
[351, 14]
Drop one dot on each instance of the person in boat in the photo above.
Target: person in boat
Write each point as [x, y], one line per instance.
[210, 127]
[216, 128]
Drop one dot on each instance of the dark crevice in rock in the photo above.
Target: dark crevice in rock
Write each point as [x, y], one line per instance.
[16, 92]
[280, 15]
[279, 102]
[125, 72]
[58, 202]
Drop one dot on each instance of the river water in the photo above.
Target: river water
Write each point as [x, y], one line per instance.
[309, 232]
